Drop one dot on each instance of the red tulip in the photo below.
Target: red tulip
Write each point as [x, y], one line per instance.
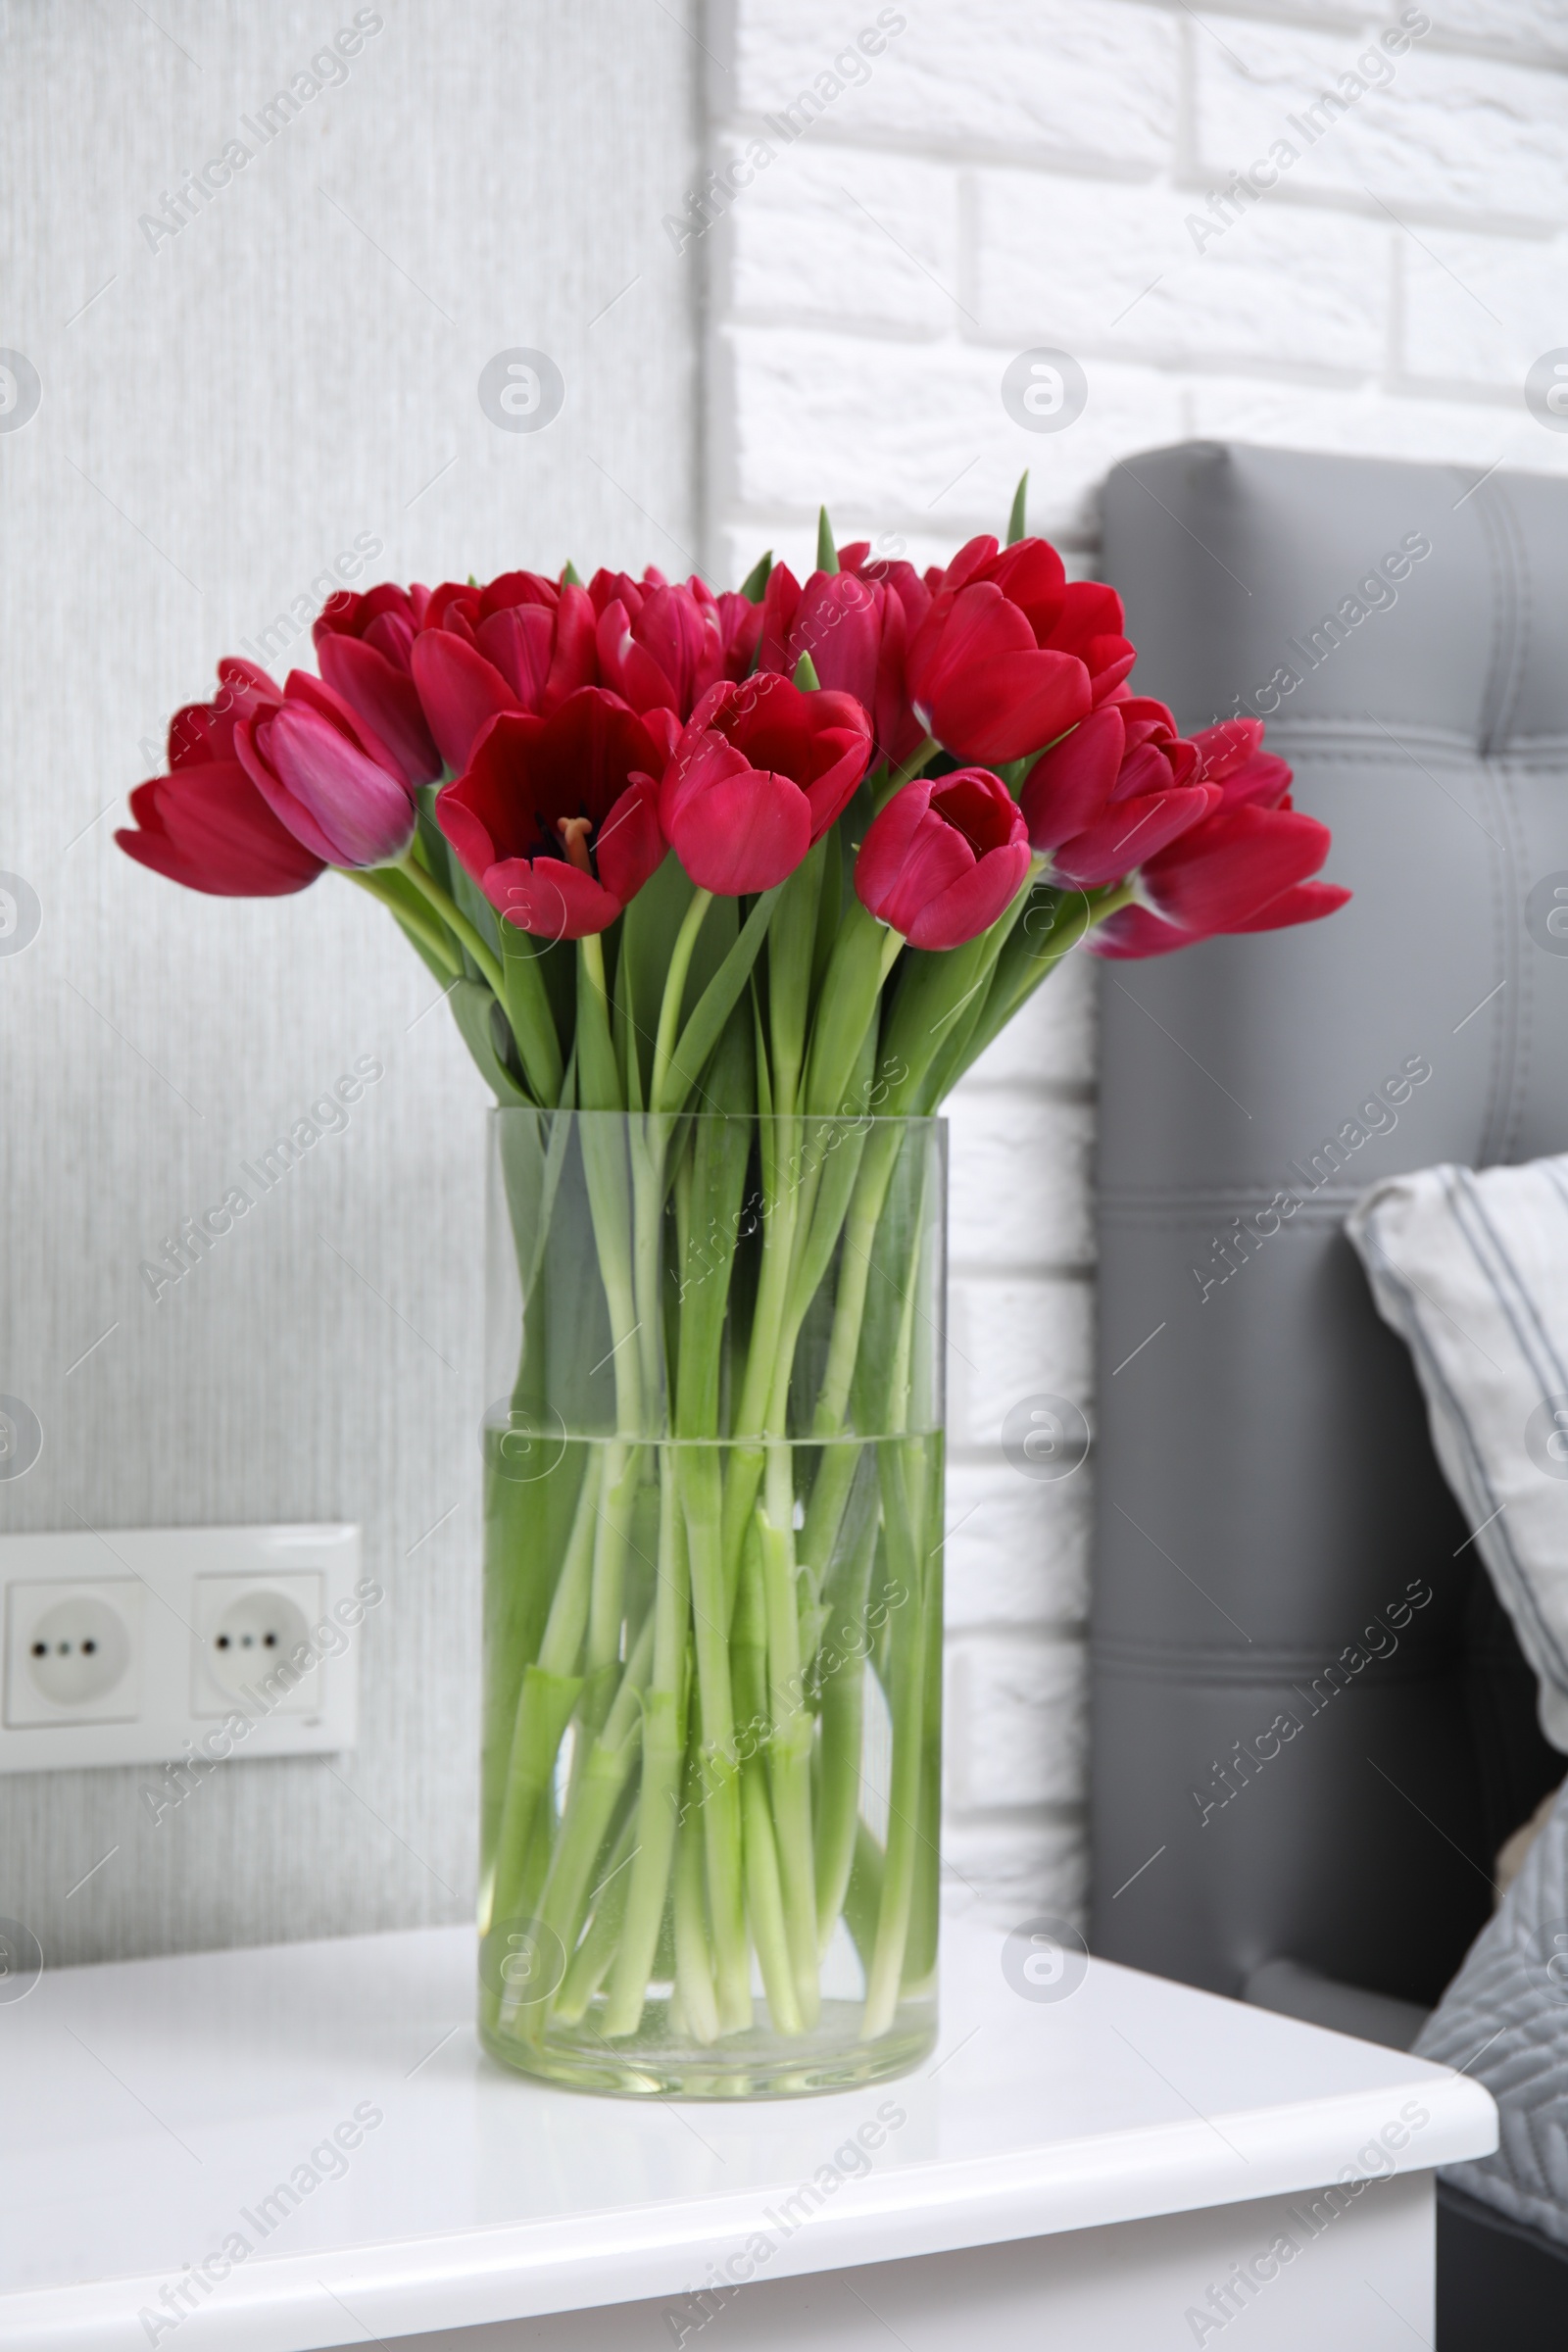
[1152, 800]
[982, 676]
[1232, 864]
[1128, 836]
[740, 627]
[327, 776]
[855, 624]
[944, 857]
[1083, 617]
[557, 819]
[364, 644]
[205, 824]
[760, 773]
[205, 731]
[618, 587]
[902, 603]
[1231, 755]
[834, 618]
[521, 644]
[1155, 757]
[660, 648]
[1069, 787]
[1245, 866]
[1090, 626]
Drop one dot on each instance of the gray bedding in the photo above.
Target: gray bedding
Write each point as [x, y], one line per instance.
[1504, 2021]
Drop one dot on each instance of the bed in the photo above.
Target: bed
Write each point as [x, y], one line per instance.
[1312, 1727]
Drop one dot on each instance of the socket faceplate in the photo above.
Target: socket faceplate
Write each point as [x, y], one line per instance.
[259, 1624]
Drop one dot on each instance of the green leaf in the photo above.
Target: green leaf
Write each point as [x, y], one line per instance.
[570, 576]
[1050, 925]
[755, 585]
[649, 930]
[717, 1000]
[427, 957]
[1017, 525]
[528, 1010]
[434, 846]
[470, 900]
[790, 947]
[805, 678]
[830, 910]
[827, 555]
[473, 1006]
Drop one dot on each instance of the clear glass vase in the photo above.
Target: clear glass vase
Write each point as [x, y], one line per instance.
[713, 1493]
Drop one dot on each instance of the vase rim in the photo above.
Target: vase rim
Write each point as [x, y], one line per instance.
[499, 1111]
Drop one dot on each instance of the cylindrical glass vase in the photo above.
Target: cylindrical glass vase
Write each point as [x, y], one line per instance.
[713, 1490]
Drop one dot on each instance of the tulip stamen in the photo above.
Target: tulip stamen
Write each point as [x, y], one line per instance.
[574, 832]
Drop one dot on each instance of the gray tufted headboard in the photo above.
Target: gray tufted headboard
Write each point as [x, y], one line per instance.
[1269, 1504]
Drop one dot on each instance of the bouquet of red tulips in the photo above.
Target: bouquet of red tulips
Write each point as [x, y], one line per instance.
[760, 874]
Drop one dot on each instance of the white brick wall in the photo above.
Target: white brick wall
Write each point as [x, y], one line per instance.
[1015, 172]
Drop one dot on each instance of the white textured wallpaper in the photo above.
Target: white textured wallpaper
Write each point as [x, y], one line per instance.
[232, 399]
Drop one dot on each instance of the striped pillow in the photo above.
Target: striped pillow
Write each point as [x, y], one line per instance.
[1471, 1269]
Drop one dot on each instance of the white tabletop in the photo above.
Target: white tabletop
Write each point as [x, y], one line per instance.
[152, 2106]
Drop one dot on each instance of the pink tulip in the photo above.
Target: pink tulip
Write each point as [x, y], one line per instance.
[327, 776]
[205, 824]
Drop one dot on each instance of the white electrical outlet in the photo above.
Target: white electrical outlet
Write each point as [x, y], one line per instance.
[72, 1653]
[141, 1644]
[251, 1635]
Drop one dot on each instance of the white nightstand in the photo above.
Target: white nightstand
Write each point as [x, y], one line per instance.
[1084, 2174]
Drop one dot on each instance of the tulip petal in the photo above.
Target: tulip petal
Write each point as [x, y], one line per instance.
[254, 759]
[1132, 933]
[889, 839]
[1304, 902]
[973, 904]
[1260, 782]
[1108, 674]
[1005, 707]
[629, 845]
[1227, 869]
[1067, 787]
[1128, 835]
[386, 698]
[517, 640]
[742, 832]
[836, 624]
[213, 832]
[458, 690]
[972, 557]
[327, 788]
[575, 663]
[549, 898]
[781, 600]
[1227, 746]
[937, 857]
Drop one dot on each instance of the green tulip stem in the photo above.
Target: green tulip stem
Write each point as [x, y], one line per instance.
[376, 880]
[663, 1756]
[456, 921]
[915, 764]
[680, 961]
